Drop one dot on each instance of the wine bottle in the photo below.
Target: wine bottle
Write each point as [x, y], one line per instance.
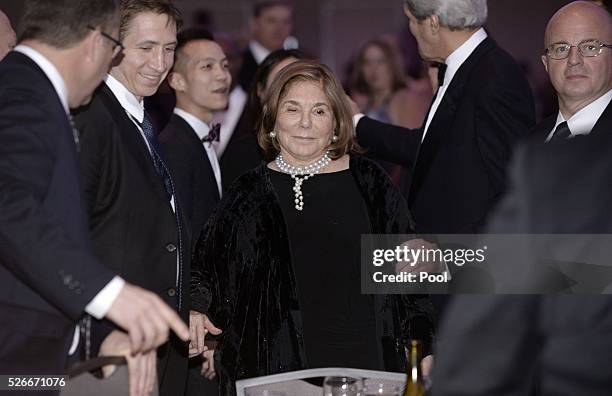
[414, 380]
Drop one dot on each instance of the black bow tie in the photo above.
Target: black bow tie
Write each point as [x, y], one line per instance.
[441, 73]
[213, 134]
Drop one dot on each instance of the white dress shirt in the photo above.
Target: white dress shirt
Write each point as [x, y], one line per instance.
[259, 51]
[98, 307]
[584, 120]
[201, 129]
[135, 111]
[229, 118]
[453, 63]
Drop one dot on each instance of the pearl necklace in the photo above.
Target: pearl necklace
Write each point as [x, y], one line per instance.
[301, 174]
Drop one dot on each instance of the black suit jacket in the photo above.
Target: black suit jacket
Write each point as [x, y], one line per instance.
[458, 172]
[48, 273]
[132, 225]
[542, 130]
[247, 70]
[555, 344]
[192, 172]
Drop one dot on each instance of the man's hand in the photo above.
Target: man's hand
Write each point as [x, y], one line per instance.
[146, 318]
[354, 107]
[427, 365]
[141, 366]
[208, 367]
[199, 326]
[419, 263]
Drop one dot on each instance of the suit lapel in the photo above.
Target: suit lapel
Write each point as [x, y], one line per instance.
[541, 131]
[604, 123]
[134, 142]
[190, 137]
[442, 121]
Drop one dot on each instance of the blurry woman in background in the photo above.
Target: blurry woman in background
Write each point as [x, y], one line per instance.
[280, 259]
[243, 152]
[383, 92]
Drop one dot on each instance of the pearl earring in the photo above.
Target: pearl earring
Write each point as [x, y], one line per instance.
[272, 135]
[334, 138]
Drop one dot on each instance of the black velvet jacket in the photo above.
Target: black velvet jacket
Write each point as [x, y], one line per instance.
[250, 290]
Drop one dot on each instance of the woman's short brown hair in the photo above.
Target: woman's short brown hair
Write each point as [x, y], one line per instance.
[318, 73]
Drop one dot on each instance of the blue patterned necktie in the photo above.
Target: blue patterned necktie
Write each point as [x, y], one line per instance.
[156, 154]
[162, 171]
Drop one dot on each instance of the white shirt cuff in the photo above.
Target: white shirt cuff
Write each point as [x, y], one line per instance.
[356, 118]
[98, 307]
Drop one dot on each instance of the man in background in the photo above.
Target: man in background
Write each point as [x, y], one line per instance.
[578, 60]
[201, 80]
[483, 106]
[49, 276]
[271, 24]
[548, 344]
[134, 209]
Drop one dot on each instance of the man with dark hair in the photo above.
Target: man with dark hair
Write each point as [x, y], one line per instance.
[134, 210]
[49, 275]
[7, 35]
[271, 24]
[482, 107]
[201, 80]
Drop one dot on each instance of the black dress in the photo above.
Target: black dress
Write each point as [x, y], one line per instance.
[324, 238]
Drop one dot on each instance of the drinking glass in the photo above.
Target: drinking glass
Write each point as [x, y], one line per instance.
[373, 388]
[342, 386]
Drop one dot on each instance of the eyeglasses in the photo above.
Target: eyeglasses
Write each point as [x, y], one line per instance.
[587, 49]
[117, 46]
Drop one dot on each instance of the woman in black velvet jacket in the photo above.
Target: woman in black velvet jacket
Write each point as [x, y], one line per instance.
[259, 286]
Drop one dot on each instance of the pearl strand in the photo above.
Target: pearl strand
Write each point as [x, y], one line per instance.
[306, 172]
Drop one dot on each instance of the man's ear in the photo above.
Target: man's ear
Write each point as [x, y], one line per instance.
[93, 45]
[176, 81]
[434, 23]
[544, 59]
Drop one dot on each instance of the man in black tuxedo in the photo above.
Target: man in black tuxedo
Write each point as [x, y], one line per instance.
[134, 208]
[49, 276]
[553, 345]
[271, 24]
[483, 106]
[578, 59]
[7, 35]
[200, 78]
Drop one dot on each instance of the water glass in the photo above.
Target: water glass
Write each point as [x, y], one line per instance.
[373, 388]
[342, 386]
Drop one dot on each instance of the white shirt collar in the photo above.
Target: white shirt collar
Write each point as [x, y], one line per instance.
[259, 51]
[50, 71]
[458, 56]
[200, 127]
[126, 99]
[584, 120]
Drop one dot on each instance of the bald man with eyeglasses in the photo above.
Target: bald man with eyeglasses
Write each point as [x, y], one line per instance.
[578, 59]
